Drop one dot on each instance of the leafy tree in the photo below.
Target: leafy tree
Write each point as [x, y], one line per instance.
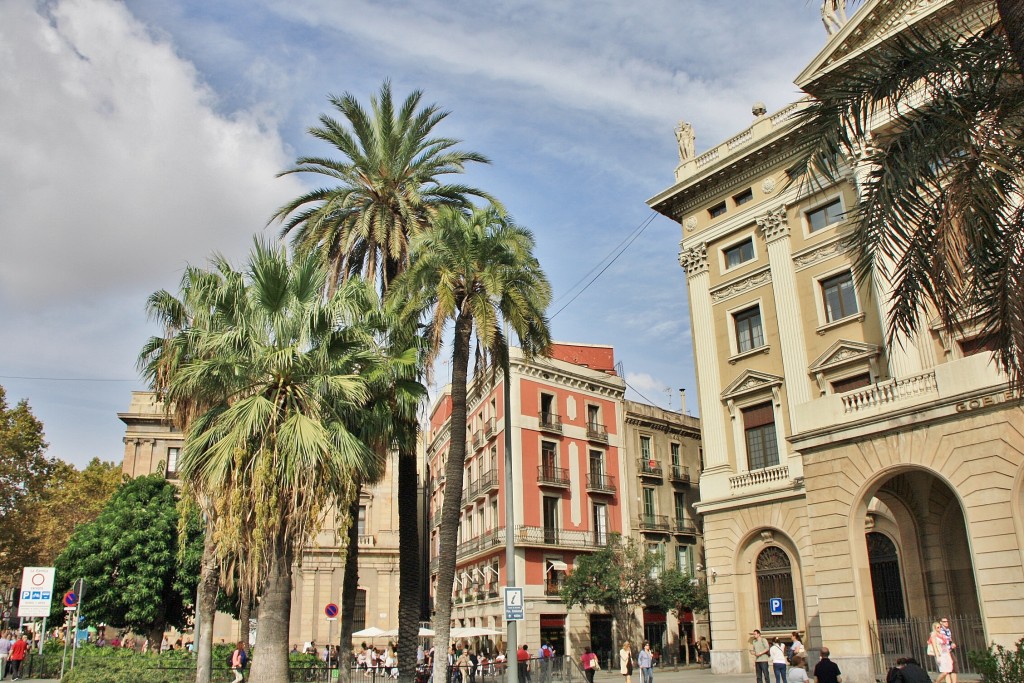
[477, 270]
[128, 557]
[675, 590]
[24, 469]
[387, 187]
[618, 578]
[939, 213]
[281, 372]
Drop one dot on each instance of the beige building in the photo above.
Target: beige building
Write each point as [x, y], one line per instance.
[153, 445]
[853, 490]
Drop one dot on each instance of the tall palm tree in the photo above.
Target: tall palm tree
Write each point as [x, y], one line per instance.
[477, 270]
[387, 186]
[281, 375]
[940, 213]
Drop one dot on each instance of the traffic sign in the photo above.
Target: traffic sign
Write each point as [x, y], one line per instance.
[71, 599]
[514, 607]
[775, 606]
[331, 611]
[36, 591]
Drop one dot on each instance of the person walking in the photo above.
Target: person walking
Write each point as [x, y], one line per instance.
[827, 671]
[796, 647]
[523, 658]
[777, 653]
[546, 656]
[759, 648]
[19, 648]
[938, 647]
[704, 652]
[645, 660]
[950, 645]
[626, 662]
[5, 652]
[590, 664]
[238, 661]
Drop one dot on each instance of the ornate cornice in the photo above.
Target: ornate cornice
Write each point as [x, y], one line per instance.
[741, 285]
[695, 259]
[555, 375]
[773, 225]
[834, 247]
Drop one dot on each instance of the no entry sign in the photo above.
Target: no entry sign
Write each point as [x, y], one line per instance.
[331, 610]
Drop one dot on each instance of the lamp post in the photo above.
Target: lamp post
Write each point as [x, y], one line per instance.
[512, 640]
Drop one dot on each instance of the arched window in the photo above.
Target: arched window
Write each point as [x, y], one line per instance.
[886, 585]
[775, 580]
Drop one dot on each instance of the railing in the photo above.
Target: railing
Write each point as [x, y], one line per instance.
[478, 439]
[553, 586]
[649, 467]
[487, 481]
[489, 427]
[544, 670]
[597, 432]
[680, 473]
[654, 522]
[481, 543]
[894, 638]
[553, 476]
[568, 538]
[888, 391]
[756, 477]
[550, 421]
[602, 483]
[434, 564]
[366, 541]
[707, 158]
[684, 526]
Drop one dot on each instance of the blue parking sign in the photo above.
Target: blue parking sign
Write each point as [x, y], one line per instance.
[775, 606]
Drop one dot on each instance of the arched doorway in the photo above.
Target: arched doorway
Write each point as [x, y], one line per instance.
[775, 581]
[886, 583]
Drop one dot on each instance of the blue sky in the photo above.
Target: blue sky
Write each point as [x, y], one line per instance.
[138, 136]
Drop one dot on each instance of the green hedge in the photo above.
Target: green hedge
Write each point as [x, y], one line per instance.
[1000, 665]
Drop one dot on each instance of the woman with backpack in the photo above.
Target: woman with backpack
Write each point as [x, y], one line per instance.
[238, 661]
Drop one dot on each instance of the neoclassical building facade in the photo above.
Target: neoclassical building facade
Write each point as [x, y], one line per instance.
[853, 489]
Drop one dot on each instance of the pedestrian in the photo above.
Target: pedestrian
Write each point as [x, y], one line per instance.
[798, 670]
[19, 648]
[546, 655]
[759, 649]
[939, 647]
[704, 651]
[626, 662]
[523, 659]
[238, 660]
[5, 652]
[474, 665]
[796, 647]
[590, 664]
[907, 670]
[827, 671]
[777, 653]
[645, 660]
[944, 627]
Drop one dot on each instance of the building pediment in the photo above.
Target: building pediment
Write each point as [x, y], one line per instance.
[872, 24]
[749, 382]
[844, 352]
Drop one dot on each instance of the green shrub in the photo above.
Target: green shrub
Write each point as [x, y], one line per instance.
[1000, 665]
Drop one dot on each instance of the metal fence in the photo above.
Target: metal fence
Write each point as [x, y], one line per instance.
[895, 638]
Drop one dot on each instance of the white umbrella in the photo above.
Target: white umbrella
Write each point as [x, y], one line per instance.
[372, 632]
[424, 633]
[473, 632]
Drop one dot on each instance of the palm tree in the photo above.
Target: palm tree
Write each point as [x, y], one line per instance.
[386, 188]
[281, 372]
[940, 210]
[478, 270]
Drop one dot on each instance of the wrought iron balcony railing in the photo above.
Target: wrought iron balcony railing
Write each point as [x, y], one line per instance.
[654, 523]
[550, 422]
[597, 432]
[553, 476]
[649, 467]
[601, 483]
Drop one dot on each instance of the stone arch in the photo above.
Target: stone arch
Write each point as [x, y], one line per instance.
[747, 552]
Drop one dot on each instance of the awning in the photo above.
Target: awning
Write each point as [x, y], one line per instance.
[558, 566]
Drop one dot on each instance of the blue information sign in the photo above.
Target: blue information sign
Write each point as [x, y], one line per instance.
[514, 608]
[775, 607]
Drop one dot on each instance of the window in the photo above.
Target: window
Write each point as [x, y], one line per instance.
[739, 253]
[680, 504]
[743, 197]
[645, 447]
[597, 464]
[361, 521]
[172, 461]
[494, 515]
[550, 519]
[841, 386]
[547, 406]
[649, 508]
[658, 565]
[759, 428]
[775, 580]
[968, 347]
[839, 296]
[548, 459]
[825, 216]
[674, 449]
[600, 524]
[717, 210]
[684, 559]
[749, 333]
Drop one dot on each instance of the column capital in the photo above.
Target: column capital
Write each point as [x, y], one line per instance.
[695, 259]
[774, 224]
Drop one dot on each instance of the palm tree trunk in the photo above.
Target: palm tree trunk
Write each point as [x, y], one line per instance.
[244, 615]
[209, 585]
[270, 654]
[451, 509]
[349, 587]
[1011, 14]
[409, 596]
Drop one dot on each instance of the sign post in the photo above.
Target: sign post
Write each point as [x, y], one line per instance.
[514, 608]
[331, 611]
[775, 606]
[36, 592]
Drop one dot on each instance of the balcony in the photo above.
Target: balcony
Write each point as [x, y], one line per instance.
[487, 482]
[366, 541]
[482, 543]
[601, 483]
[684, 527]
[680, 474]
[478, 439]
[655, 523]
[434, 563]
[563, 538]
[597, 432]
[649, 467]
[490, 428]
[553, 476]
[550, 422]
[767, 475]
[552, 586]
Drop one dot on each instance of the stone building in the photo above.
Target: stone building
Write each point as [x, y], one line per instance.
[853, 490]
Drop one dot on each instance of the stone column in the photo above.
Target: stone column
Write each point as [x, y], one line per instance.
[774, 228]
[695, 261]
